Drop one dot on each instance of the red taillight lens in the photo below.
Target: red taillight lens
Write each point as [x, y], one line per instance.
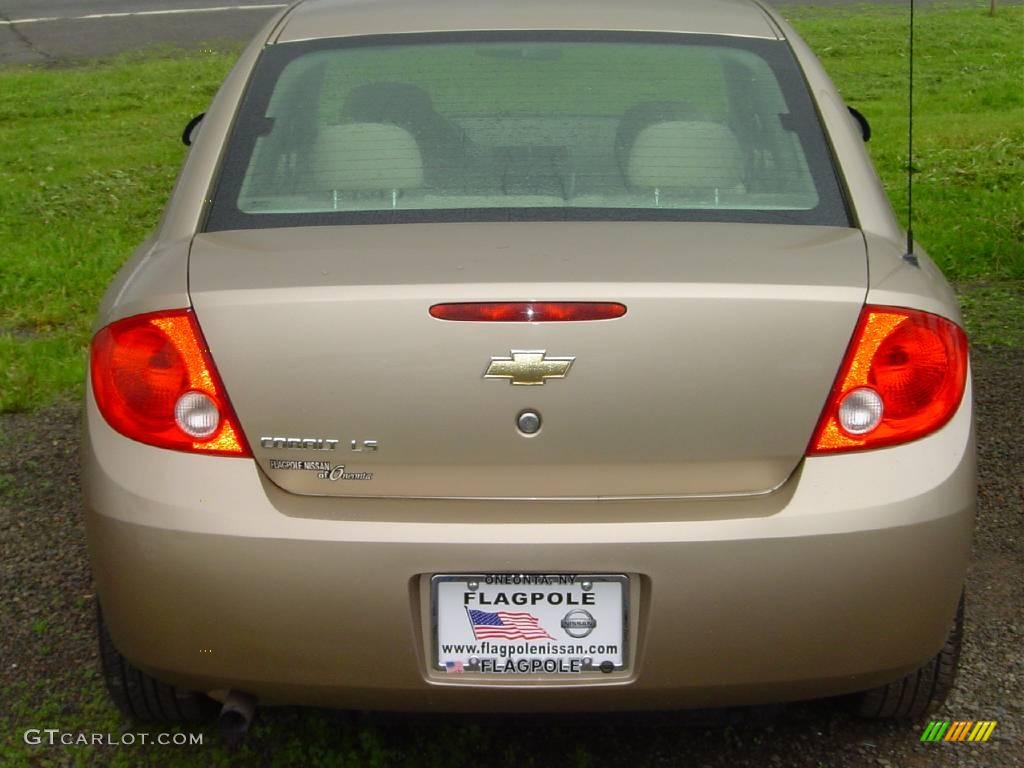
[903, 377]
[528, 311]
[154, 381]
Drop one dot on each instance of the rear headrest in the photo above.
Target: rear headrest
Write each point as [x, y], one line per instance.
[646, 113]
[366, 157]
[690, 155]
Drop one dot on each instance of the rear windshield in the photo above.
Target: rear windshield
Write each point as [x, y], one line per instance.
[537, 126]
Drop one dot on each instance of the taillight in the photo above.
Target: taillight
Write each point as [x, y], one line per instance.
[528, 311]
[154, 381]
[903, 377]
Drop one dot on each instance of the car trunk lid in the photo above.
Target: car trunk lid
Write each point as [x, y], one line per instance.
[710, 384]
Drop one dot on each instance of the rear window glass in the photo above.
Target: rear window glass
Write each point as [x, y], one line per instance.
[542, 126]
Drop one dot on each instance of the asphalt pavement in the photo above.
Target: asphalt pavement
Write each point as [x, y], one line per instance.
[62, 31]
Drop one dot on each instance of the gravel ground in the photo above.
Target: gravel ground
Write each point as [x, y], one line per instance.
[46, 629]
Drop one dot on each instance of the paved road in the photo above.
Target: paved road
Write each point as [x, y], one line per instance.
[54, 31]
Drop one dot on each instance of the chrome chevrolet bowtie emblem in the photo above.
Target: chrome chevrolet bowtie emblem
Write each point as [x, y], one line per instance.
[528, 367]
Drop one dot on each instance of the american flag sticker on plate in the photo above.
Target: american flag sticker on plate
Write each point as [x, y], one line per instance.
[506, 625]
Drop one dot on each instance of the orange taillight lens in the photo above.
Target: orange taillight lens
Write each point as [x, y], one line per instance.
[154, 381]
[903, 377]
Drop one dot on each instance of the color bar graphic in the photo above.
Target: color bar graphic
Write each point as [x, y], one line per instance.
[958, 730]
[935, 731]
[982, 730]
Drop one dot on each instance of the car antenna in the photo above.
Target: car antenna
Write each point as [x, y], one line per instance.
[909, 256]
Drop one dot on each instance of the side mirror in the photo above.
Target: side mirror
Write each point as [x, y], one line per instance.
[865, 126]
[192, 129]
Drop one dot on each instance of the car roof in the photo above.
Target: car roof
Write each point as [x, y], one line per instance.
[317, 19]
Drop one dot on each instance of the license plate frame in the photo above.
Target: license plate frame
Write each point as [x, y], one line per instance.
[507, 582]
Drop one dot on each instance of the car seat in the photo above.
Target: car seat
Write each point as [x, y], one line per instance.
[442, 143]
[366, 158]
[691, 158]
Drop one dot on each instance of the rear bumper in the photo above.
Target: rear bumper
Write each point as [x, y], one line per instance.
[212, 578]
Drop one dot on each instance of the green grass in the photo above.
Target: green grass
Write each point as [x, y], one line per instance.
[993, 313]
[89, 158]
[969, 122]
[90, 155]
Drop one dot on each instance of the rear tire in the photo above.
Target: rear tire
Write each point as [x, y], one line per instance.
[919, 692]
[144, 698]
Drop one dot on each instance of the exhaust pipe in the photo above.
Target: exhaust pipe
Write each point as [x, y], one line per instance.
[236, 716]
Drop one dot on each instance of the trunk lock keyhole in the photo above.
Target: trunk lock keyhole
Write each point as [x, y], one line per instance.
[528, 422]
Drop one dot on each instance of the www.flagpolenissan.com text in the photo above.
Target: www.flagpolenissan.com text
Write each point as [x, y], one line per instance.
[529, 649]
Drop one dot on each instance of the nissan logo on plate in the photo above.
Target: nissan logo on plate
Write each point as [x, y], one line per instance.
[578, 623]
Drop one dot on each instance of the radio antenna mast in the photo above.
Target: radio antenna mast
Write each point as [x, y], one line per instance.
[909, 256]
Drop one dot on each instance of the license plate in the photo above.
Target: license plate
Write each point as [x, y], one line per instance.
[521, 624]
